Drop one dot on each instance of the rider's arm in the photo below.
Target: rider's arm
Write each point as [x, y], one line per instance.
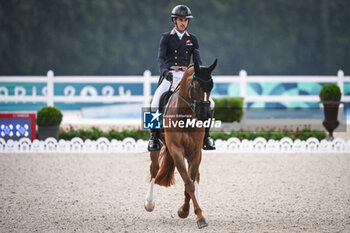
[162, 53]
[196, 54]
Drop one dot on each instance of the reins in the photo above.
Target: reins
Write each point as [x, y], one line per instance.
[190, 89]
[190, 105]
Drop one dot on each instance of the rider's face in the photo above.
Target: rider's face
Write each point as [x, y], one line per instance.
[181, 24]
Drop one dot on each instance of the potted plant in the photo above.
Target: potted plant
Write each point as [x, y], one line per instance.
[48, 121]
[330, 97]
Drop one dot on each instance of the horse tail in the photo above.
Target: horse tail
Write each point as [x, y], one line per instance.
[165, 175]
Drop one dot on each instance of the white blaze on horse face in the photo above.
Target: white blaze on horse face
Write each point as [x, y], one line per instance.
[205, 96]
[196, 192]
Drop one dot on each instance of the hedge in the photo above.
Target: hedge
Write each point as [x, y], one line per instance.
[228, 109]
[303, 134]
[94, 133]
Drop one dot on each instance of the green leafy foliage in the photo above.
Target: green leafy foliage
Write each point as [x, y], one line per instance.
[303, 134]
[94, 133]
[122, 37]
[49, 116]
[330, 92]
[228, 109]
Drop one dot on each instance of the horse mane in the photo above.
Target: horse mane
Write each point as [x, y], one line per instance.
[189, 71]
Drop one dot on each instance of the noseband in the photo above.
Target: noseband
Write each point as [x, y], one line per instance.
[199, 107]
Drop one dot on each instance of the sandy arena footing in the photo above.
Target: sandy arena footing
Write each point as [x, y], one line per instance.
[239, 193]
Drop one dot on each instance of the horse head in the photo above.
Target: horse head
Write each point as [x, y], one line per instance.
[203, 76]
[200, 87]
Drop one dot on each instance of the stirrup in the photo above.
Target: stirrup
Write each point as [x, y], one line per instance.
[209, 143]
[153, 144]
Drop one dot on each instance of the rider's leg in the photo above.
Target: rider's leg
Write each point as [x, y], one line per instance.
[209, 143]
[177, 76]
[163, 87]
[153, 144]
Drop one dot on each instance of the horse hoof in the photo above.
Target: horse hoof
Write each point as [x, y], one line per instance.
[182, 215]
[149, 205]
[202, 223]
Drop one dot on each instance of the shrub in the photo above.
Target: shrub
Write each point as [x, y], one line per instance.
[94, 133]
[228, 109]
[120, 135]
[49, 116]
[303, 134]
[330, 92]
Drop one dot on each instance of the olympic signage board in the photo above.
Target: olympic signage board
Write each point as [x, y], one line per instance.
[17, 125]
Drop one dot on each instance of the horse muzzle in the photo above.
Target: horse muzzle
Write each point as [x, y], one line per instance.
[201, 109]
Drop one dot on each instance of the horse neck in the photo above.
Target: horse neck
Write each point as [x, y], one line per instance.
[183, 92]
[184, 89]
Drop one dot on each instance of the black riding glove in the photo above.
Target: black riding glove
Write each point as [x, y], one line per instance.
[168, 75]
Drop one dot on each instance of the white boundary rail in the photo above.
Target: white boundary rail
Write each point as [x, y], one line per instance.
[232, 145]
[89, 93]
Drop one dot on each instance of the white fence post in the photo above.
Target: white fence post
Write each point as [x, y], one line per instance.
[146, 88]
[243, 86]
[341, 81]
[50, 88]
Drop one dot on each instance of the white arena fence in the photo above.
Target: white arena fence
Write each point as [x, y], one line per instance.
[89, 94]
[130, 145]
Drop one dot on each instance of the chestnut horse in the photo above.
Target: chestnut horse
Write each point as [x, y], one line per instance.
[191, 99]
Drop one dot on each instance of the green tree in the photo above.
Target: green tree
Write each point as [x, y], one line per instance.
[122, 37]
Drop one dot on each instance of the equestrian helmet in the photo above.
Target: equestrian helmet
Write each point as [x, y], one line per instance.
[181, 11]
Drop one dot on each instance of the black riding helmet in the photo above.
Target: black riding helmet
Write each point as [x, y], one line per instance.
[181, 11]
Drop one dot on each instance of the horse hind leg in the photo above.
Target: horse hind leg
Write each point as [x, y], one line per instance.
[154, 168]
[201, 222]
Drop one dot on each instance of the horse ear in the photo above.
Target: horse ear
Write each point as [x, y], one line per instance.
[212, 67]
[196, 67]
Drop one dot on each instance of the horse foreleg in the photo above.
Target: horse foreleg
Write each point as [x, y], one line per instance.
[185, 208]
[149, 203]
[194, 173]
[190, 187]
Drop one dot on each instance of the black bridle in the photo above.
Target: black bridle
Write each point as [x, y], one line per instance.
[199, 107]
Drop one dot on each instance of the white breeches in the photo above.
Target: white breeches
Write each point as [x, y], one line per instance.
[164, 86]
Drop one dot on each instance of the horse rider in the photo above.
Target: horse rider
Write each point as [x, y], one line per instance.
[175, 50]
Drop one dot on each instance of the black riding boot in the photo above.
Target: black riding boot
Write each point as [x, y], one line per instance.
[208, 143]
[153, 144]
